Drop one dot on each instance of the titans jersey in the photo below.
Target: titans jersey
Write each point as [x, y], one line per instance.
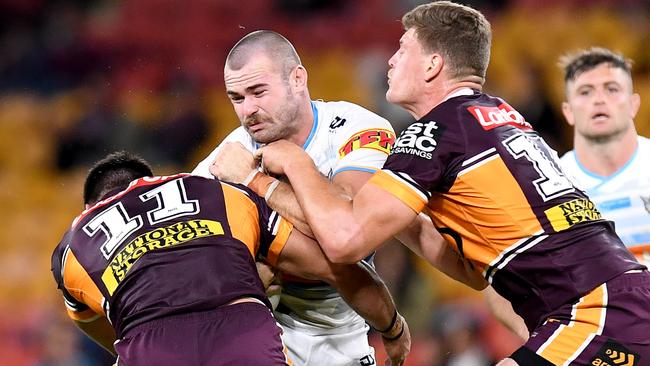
[623, 197]
[494, 188]
[165, 246]
[344, 137]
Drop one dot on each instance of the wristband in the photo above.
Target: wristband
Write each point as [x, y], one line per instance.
[260, 183]
[392, 324]
[271, 189]
[250, 177]
[395, 337]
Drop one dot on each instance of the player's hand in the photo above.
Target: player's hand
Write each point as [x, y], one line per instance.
[267, 274]
[397, 349]
[233, 163]
[276, 156]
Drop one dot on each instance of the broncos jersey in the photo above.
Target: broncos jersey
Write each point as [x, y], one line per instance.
[494, 188]
[623, 197]
[166, 246]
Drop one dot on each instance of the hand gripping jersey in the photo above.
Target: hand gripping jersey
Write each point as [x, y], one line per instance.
[623, 197]
[344, 137]
[166, 246]
[494, 188]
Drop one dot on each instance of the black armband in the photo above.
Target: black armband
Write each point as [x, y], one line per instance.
[392, 324]
[395, 337]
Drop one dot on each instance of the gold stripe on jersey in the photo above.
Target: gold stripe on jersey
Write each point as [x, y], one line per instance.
[489, 225]
[567, 214]
[79, 284]
[159, 238]
[587, 321]
[243, 217]
[401, 188]
[284, 228]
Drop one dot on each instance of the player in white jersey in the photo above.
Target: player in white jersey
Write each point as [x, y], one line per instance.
[267, 86]
[609, 161]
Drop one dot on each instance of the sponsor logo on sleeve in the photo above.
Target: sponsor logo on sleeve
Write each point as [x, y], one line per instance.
[567, 214]
[160, 238]
[420, 139]
[504, 114]
[614, 354]
[377, 139]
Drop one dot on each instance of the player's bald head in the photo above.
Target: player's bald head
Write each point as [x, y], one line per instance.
[271, 44]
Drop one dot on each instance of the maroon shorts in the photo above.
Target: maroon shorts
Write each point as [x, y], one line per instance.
[240, 334]
[608, 326]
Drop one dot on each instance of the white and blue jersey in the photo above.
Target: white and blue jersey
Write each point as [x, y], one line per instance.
[623, 197]
[318, 325]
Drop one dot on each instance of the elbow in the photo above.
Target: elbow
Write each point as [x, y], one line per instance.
[344, 256]
[344, 248]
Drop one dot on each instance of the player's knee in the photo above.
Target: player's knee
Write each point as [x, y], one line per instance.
[507, 362]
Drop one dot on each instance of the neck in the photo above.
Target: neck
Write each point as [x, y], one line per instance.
[304, 122]
[438, 92]
[605, 157]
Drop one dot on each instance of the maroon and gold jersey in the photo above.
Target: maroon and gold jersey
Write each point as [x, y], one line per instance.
[165, 246]
[494, 188]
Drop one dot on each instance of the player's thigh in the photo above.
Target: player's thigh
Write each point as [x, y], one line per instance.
[344, 346]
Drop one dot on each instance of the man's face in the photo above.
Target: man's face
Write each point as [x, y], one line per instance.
[263, 100]
[405, 75]
[600, 103]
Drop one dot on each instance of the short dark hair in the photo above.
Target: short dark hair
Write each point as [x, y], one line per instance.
[273, 44]
[576, 63]
[115, 171]
[460, 33]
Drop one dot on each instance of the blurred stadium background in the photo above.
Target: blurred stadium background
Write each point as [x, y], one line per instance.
[81, 78]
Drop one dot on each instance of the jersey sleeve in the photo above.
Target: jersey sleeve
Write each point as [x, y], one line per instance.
[76, 309]
[274, 231]
[421, 162]
[238, 135]
[361, 138]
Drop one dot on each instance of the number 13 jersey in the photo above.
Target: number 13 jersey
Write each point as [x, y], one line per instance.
[494, 188]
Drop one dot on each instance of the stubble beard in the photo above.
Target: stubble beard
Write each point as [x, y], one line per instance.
[283, 126]
[607, 137]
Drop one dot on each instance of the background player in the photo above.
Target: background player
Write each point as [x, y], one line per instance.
[267, 85]
[162, 260]
[493, 186]
[609, 161]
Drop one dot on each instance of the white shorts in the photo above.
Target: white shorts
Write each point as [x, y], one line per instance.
[344, 342]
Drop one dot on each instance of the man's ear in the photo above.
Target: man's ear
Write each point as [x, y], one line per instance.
[568, 113]
[434, 65]
[298, 78]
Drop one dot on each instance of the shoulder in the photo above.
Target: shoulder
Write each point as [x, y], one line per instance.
[569, 161]
[644, 142]
[57, 257]
[342, 115]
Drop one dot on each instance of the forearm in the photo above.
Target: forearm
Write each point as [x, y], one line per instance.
[502, 311]
[283, 200]
[326, 208]
[423, 239]
[365, 292]
[100, 331]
